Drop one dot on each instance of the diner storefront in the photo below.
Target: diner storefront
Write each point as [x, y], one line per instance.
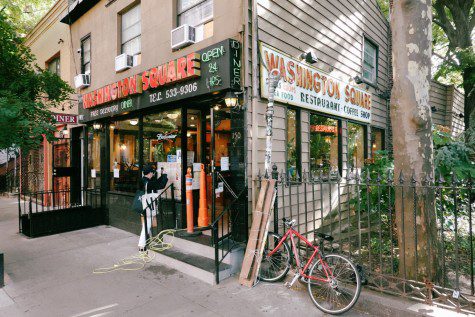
[175, 116]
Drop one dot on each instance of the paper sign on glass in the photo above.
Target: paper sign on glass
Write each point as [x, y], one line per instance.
[224, 163]
[93, 173]
[116, 173]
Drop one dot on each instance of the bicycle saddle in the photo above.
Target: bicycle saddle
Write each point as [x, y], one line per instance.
[324, 236]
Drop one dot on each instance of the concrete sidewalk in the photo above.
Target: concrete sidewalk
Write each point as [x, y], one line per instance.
[53, 276]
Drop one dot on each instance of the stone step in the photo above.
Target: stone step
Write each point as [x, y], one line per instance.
[202, 245]
[194, 265]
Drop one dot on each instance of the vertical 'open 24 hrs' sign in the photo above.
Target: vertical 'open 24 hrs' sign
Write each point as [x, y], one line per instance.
[306, 86]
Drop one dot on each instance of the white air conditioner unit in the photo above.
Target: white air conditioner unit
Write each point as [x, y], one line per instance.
[123, 62]
[182, 36]
[82, 81]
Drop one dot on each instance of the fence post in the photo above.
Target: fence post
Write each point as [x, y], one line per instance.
[275, 175]
[2, 271]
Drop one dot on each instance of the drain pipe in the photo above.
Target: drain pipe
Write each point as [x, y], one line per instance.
[254, 100]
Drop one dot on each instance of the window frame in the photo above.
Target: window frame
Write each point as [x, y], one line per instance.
[202, 22]
[339, 135]
[121, 15]
[365, 140]
[298, 140]
[383, 138]
[55, 57]
[84, 39]
[368, 39]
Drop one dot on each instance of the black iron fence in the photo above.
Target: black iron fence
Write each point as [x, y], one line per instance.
[412, 238]
[49, 212]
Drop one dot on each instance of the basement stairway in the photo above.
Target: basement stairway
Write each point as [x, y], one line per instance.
[195, 256]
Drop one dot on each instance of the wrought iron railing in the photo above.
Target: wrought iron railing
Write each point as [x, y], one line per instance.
[164, 215]
[376, 220]
[224, 239]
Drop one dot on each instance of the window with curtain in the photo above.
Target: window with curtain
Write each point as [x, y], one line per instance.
[324, 146]
[86, 55]
[356, 145]
[131, 31]
[124, 155]
[54, 66]
[370, 61]
[292, 146]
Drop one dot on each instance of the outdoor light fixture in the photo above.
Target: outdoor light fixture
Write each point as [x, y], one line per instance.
[461, 115]
[230, 99]
[309, 57]
[133, 121]
[357, 79]
[172, 116]
[96, 126]
[65, 131]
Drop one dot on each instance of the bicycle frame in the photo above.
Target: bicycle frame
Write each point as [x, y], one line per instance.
[290, 234]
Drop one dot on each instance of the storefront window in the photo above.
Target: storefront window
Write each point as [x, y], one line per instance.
[124, 155]
[356, 145]
[293, 155]
[162, 144]
[377, 140]
[324, 147]
[94, 158]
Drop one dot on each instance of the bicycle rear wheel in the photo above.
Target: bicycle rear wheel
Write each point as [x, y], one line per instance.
[275, 267]
[342, 291]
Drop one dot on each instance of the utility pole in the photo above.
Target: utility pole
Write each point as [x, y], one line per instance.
[272, 82]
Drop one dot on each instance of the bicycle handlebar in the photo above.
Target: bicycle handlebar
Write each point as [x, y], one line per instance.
[288, 222]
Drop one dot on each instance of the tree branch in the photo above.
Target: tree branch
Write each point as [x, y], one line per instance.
[442, 20]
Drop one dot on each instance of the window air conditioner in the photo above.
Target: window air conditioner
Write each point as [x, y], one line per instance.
[82, 81]
[182, 36]
[123, 62]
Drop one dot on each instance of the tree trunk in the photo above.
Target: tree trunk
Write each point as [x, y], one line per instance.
[469, 89]
[412, 137]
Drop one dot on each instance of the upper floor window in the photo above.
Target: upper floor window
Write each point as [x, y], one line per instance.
[131, 31]
[199, 14]
[54, 66]
[194, 12]
[86, 55]
[370, 61]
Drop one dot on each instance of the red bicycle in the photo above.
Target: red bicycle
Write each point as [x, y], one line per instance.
[334, 283]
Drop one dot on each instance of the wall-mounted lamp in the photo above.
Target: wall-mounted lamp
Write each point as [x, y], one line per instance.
[65, 130]
[461, 115]
[309, 57]
[60, 41]
[230, 99]
[358, 80]
[96, 126]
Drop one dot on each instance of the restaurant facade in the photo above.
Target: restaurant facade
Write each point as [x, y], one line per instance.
[150, 93]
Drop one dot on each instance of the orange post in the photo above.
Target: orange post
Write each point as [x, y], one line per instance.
[189, 202]
[203, 219]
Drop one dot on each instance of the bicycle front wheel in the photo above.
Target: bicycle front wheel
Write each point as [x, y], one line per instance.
[275, 267]
[340, 293]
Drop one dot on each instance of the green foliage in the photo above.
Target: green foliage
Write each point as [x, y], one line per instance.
[452, 155]
[26, 93]
[384, 6]
[24, 14]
